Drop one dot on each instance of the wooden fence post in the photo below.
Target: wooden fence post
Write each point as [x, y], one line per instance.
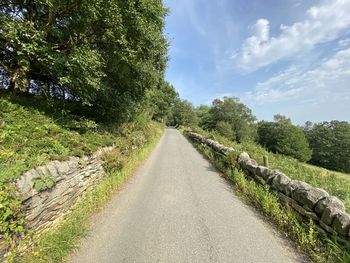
[266, 161]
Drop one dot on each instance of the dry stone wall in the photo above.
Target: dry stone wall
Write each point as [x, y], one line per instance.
[327, 212]
[68, 180]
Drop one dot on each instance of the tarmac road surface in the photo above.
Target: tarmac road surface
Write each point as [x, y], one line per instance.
[177, 208]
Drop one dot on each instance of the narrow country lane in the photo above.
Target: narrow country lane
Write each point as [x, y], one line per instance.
[178, 209]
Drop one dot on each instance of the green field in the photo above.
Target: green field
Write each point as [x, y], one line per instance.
[336, 183]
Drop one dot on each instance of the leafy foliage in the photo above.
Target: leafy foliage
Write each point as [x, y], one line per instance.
[104, 54]
[283, 137]
[204, 116]
[43, 183]
[225, 129]
[330, 142]
[12, 223]
[160, 101]
[225, 112]
[35, 134]
[113, 162]
[183, 113]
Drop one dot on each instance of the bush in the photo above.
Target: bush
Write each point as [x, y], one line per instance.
[331, 144]
[225, 129]
[113, 161]
[284, 138]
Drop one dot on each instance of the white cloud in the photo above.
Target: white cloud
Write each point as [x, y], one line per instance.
[322, 23]
[262, 29]
[328, 81]
[344, 42]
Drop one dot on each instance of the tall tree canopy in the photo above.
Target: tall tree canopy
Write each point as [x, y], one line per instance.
[183, 113]
[204, 116]
[230, 110]
[160, 101]
[330, 142]
[281, 136]
[102, 53]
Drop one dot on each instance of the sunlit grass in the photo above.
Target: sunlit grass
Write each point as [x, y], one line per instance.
[336, 183]
[55, 245]
[33, 137]
[306, 237]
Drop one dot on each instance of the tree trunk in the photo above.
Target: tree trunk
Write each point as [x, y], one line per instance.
[12, 85]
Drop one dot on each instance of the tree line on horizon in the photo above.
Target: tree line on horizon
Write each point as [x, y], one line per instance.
[325, 144]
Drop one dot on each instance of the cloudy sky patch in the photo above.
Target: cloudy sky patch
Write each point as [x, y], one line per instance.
[290, 57]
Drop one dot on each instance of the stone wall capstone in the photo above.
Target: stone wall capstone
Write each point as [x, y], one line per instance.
[327, 212]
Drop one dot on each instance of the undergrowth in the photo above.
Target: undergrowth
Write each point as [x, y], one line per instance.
[306, 236]
[55, 245]
[36, 132]
[335, 183]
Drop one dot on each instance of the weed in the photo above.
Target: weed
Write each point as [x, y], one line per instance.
[336, 183]
[305, 235]
[43, 183]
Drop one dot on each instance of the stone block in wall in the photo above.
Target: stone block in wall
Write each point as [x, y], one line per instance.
[52, 171]
[328, 228]
[262, 171]
[298, 208]
[243, 157]
[62, 167]
[329, 201]
[251, 165]
[258, 179]
[295, 184]
[271, 174]
[329, 214]
[312, 215]
[285, 199]
[25, 184]
[309, 196]
[280, 183]
[341, 223]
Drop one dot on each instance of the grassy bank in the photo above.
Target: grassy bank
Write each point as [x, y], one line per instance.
[37, 131]
[55, 245]
[336, 183]
[305, 236]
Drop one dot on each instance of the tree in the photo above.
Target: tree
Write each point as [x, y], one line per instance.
[160, 101]
[238, 115]
[283, 137]
[183, 114]
[225, 129]
[204, 117]
[330, 142]
[103, 54]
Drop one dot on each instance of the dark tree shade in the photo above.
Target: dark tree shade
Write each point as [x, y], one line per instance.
[283, 137]
[104, 53]
[330, 142]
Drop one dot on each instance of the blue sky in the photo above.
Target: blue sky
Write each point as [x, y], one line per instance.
[290, 57]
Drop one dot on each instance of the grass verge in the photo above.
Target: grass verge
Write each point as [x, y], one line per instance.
[56, 245]
[335, 183]
[306, 237]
